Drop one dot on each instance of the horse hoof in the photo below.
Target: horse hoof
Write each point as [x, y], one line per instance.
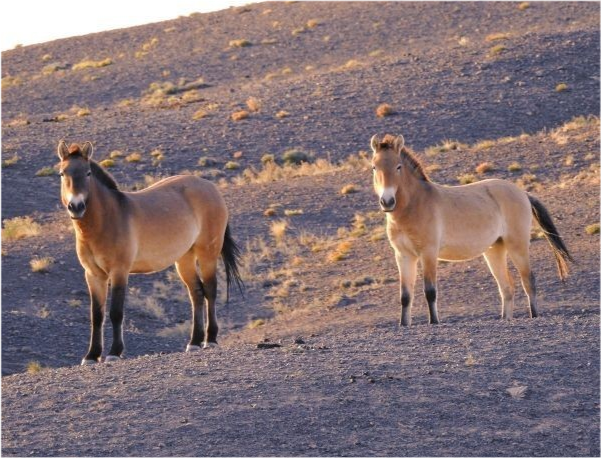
[209, 345]
[112, 358]
[88, 362]
[191, 348]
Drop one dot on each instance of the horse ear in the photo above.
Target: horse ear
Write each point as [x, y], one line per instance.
[399, 142]
[87, 150]
[374, 142]
[62, 150]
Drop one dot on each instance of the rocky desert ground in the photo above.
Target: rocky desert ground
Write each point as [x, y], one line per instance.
[276, 103]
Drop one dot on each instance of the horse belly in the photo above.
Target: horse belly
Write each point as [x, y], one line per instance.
[467, 245]
[159, 252]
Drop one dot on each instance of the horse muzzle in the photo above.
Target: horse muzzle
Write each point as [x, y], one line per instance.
[387, 205]
[76, 209]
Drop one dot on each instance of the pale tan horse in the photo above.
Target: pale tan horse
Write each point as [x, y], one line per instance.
[426, 222]
[181, 220]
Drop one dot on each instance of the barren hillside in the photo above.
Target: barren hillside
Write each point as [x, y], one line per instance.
[513, 87]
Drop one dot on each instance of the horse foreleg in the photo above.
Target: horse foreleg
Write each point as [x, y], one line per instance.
[429, 264]
[407, 271]
[97, 287]
[118, 289]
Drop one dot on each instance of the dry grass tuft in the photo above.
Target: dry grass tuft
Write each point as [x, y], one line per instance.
[514, 167]
[256, 323]
[467, 178]
[496, 50]
[253, 104]
[34, 367]
[231, 165]
[45, 172]
[41, 265]
[293, 212]
[295, 156]
[19, 228]
[340, 252]
[133, 157]
[592, 229]
[485, 167]
[383, 110]
[282, 114]
[278, 230]
[446, 146]
[349, 189]
[561, 87]
[240, 43]
[12, 161]
[523, 6]
[312, 23]
[497, 37]
[239, 115]
[92, 64]
[484, 145]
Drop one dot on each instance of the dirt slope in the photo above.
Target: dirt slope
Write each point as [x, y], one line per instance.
[353, 383]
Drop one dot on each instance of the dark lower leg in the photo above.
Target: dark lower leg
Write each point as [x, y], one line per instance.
[197, 298]
[405, 307]
[116, 314]
[430, 292]
[97, 318]
[211, 295]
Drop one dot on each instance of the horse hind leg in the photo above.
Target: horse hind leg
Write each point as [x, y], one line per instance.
[207, 260]
[186, 269]
[521, 259]
[496, 258]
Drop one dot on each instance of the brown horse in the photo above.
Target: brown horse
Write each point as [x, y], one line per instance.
[180, 220]
[427, 222]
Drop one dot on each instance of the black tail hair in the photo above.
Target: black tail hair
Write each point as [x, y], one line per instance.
[560, 251]
[230, 254]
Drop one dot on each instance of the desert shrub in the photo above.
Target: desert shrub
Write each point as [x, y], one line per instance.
[240, 43]
[383, 110]
[485, 167]
[295, 156]
[41, 265]
[92, 64]
[19, 228]
[592, 229]
[561, 87]
[349, 189]
[45, 172]
[133, 157]
[467, 178]
[239, 115]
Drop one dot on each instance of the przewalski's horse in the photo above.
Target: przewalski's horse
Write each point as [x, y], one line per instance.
[427, 222]
[180, 220]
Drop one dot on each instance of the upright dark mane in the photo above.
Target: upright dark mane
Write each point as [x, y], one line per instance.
[103, 176]
[407, 156]
[414, 164]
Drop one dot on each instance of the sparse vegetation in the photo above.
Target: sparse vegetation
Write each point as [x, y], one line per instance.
[240, 43]
[282, 114]
[592, 229]
[293, 212]
[45, 172]
[10, 162]
[256, 323]
[253, 104]
[19, 228]
[561, 87]
[384, 110]
[523, 6]
[485, 167]
[34, 367]
[497, 37]
[92, 64]
[514, 167]
[107, 163]
[133, 157]
[278, 230]
[295, 156]
[484, 145]
[349, 189]
[445, 146]
[41, 265]
[239, 115]
[496, 50]
[467, 178]
[231, 165]
[206, 161]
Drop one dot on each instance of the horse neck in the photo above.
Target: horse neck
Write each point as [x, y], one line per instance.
[90, 226]
[410, 194]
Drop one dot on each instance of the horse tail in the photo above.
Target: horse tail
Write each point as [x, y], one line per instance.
[560, 251]
[230, 254]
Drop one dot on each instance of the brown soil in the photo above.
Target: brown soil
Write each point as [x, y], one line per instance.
[344, 380]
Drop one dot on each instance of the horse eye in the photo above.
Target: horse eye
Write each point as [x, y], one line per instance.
[61, 174]
[89, 173]
[373, 167]
[398, 167]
